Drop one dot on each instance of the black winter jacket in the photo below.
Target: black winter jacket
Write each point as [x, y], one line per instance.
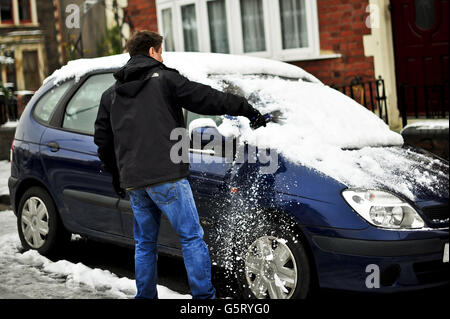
[138, 113]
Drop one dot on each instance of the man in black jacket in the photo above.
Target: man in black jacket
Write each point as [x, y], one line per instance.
[132, 131]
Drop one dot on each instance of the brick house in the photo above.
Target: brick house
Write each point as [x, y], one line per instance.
[336, 40]
[27, 38]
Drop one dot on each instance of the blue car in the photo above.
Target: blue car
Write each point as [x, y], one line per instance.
[342, 203]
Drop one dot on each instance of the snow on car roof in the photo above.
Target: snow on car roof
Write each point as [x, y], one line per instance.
[196, 66]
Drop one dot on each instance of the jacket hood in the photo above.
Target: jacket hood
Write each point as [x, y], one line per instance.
[131, 77]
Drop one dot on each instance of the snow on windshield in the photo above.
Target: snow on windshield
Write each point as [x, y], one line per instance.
[325, 130]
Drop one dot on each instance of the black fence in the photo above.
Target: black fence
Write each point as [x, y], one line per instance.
[423, 101]
[8, 108]
[371, 94]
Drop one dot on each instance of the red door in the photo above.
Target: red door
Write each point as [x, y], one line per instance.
[421, 40]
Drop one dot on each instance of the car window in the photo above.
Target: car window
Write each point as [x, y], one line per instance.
[47, 104]
[193, 116]
[81, 112]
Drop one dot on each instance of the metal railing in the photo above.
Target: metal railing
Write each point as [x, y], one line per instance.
[8, 108]
[434, 105]
[370, 94]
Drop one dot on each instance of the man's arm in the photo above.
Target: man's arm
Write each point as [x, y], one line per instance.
[104, 139]
[203, 99]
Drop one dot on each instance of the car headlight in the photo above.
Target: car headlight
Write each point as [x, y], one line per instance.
[383, 209]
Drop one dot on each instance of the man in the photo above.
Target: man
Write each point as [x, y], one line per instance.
[132, 132]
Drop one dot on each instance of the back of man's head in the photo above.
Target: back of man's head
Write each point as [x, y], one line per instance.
[141, 42]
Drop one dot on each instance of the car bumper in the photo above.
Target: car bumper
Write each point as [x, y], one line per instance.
[413, 260]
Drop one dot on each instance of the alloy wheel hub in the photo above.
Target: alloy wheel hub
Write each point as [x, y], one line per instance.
[270, 269]
[35, 222]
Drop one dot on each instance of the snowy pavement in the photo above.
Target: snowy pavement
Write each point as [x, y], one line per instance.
[28, 274]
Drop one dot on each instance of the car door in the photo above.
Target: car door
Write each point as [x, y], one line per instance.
[73, 167]
[209, 178]
[208, 182]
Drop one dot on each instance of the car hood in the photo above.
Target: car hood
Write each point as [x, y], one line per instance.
[407, 171]
[411, 173]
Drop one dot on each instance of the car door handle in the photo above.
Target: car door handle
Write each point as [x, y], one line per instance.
[54, 147]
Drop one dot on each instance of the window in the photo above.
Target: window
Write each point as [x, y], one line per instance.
[47, 104]
[218, 26]
[253, 31]
[191, 116]
[168, 34]
[293, 24]
[30, 70]
[6, 11]
[190, 30]
[285, 30]
[81, 112]
[425, 14]
[24, 10]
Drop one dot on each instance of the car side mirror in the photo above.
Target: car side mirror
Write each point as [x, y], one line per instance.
[205, 136]
[200, 124]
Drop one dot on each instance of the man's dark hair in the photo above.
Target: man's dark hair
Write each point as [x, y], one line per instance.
[141, 42]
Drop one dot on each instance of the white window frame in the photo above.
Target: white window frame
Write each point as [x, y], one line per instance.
[205, 22]
[312, 25]
[200, 37]
[272, 26]
[161, 8]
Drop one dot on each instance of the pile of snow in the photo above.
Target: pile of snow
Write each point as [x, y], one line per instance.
[331, 133]
[34, 275]
[5, 173]
[6, 60]
[325, 130]
[10, 124]
[429, 125]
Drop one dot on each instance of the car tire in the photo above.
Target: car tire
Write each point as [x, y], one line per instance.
[272, 262]
[38, 223]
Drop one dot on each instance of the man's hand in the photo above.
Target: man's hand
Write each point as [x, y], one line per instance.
[257, 120]
[119, 191]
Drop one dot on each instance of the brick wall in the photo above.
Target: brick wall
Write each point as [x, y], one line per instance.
[143, 14]
[341, 25]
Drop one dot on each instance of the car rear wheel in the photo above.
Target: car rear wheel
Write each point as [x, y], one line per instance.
[38, 222]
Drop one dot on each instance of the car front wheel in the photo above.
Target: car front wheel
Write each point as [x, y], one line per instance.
[274, 264]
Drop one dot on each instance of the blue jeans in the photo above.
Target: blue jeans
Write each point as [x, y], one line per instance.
[175, 200]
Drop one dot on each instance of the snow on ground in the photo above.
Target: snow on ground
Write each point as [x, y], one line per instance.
[429, 125]
[5, 172]
[35, 276]
[10, 124]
